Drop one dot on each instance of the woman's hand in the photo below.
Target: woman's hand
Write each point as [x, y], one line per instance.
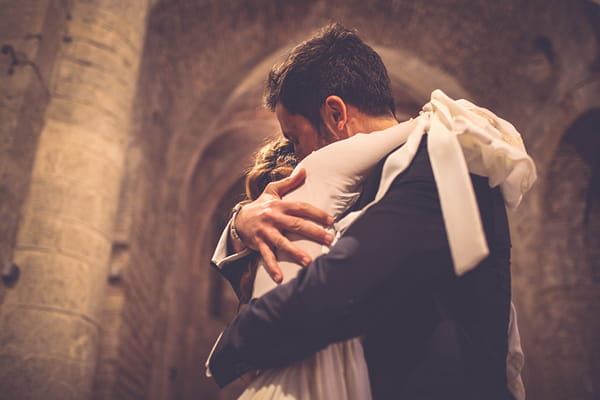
[261, 223]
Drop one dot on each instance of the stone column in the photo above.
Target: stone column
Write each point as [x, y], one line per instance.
[31, 33]
[49, 320]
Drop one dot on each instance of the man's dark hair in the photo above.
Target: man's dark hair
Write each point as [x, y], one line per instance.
[335, 61]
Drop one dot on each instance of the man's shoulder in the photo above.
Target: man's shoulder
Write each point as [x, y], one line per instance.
[420, 166]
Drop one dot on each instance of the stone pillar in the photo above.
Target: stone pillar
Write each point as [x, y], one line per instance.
[31, 33]
[49, 320]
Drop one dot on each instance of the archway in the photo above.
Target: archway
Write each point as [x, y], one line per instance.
[564, 327]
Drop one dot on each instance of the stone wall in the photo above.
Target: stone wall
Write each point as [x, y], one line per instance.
[89, 53]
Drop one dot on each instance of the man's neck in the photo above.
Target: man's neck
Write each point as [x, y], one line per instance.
[368, 124]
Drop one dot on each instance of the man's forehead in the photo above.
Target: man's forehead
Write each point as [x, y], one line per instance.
[287, 121]
[281, 111]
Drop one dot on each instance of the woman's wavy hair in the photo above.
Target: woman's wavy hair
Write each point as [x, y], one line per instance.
[274, 161]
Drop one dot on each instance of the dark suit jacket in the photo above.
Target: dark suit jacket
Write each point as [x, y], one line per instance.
[428, 334]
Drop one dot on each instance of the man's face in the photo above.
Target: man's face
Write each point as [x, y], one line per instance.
[299, 131]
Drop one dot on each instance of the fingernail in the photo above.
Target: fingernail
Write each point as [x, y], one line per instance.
[329, 220]
[277, 278]
[328, 238]
[306, 261]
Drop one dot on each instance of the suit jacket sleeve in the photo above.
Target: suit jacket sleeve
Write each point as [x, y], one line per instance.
[401, 240]
[229, 264]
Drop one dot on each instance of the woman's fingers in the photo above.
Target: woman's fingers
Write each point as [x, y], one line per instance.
[283, 186]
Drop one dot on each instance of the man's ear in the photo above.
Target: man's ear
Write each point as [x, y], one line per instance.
[334, 114]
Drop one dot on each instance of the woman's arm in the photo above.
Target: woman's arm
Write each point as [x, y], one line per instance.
[400, 239]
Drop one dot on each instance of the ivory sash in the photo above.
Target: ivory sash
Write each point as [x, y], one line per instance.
[462, 138]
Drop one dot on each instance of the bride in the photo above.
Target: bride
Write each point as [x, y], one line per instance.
[337, 372]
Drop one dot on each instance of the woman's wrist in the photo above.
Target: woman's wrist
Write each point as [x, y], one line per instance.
[236, 241]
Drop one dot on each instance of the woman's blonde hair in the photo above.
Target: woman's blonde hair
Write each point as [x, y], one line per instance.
[274, 161]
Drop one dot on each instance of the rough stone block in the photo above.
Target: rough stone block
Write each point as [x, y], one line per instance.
[43, 378]
[70, 71]
[48, 233]
[22, 17]
[60, 282]
[76, 202]
[84, 117]
[94, 56]
[60, 158]
[46, 332]
[96, 96]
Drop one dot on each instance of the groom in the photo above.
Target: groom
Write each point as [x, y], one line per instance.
[427, 333]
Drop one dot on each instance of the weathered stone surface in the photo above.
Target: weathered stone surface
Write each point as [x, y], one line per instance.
[67, 219]
[48, 331]
[30, 34]
[70, 284]
[52, 383]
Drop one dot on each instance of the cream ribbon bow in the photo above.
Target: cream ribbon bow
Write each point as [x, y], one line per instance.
[462, 138]
[465, 138]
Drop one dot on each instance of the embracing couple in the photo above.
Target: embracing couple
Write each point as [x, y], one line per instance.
[380, 268]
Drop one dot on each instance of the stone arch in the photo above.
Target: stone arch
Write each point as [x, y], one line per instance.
[560, 115]
[564, 328]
